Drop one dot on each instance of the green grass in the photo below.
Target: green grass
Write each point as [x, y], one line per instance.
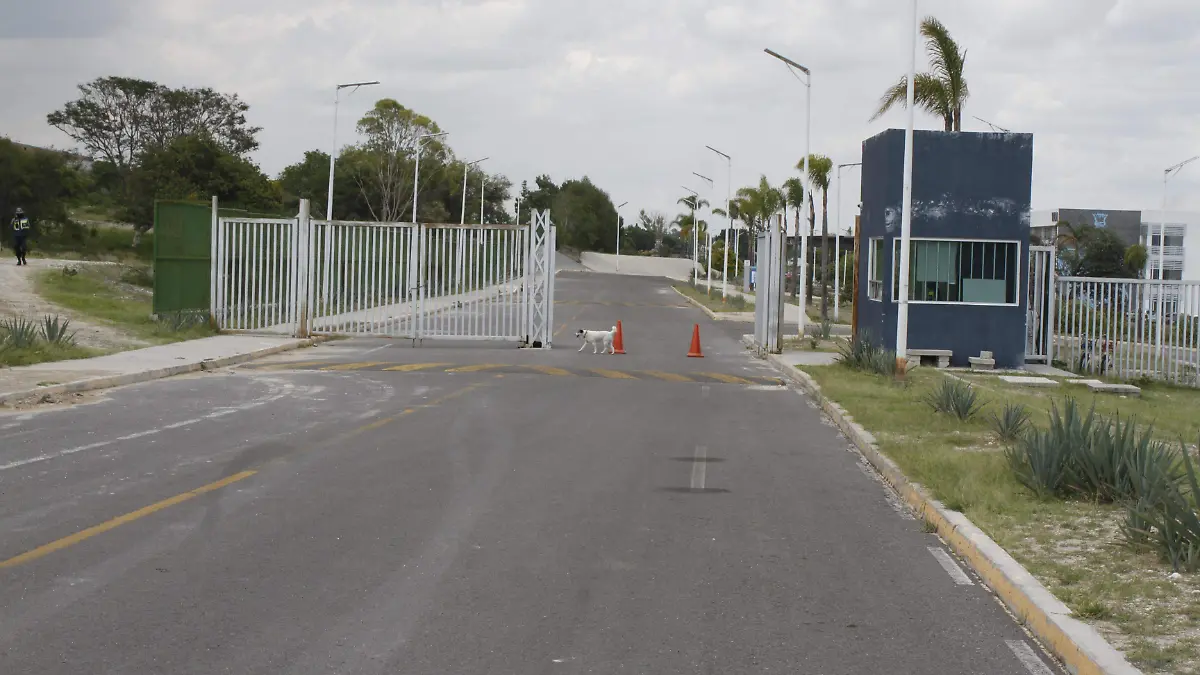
[41, 353]
[1072, 547]
[99, 293]
[734, 303]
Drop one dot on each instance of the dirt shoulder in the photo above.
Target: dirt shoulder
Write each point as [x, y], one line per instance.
[17, 297]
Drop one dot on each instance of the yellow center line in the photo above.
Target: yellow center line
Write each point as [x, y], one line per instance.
[411, 367]
[90, 532]
[550, 370]
[614, 374]
[669, 377]
[355, 366]
[731, 379]
[476, 368]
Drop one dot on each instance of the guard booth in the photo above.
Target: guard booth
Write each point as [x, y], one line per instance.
[969, 248]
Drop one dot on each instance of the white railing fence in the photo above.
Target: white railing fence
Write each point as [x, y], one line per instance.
[463, 282]
[1129, 328]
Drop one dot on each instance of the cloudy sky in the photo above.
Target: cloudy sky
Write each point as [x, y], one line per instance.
[629, 92]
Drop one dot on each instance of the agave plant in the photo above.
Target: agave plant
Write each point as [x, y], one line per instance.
[1012, 421]
[55, 331]
[1165, 518]
[954, 397]
[18, 332]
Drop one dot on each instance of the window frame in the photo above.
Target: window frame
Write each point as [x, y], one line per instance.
[896, 265]
[874, 286]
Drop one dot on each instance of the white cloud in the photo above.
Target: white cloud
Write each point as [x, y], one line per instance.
[629, 92]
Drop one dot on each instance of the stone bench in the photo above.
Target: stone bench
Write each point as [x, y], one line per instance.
[942, 356]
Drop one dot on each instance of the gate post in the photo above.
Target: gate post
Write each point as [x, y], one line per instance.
[213, 266]
[301, 257]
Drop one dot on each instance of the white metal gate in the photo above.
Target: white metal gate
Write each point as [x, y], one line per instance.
[1039, 313]
[461, 282]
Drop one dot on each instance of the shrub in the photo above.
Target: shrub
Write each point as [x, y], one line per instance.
[1102, 459]
[1012, 421]
[826, 329]
[738, 302]
[18, 332]
[1042, 461]
[177, 322]
[859, 353]
[1165, 518]
[54, 331]
[138, 275]
[954, 397]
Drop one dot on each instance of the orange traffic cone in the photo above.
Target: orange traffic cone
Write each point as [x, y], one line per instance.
[695, 350]
[618, 341]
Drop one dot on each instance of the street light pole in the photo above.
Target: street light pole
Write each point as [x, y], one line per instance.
[906, 217]
[807, 182]
[417, 171]
[708, 244]
[728, 214]
[837, 247]
[695, 238]
[337, 92]
[619, 234]
[463, 219]
[1162, 248]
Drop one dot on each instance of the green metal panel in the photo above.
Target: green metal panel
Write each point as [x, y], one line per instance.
[182, 256]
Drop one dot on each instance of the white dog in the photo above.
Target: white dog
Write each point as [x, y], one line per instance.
[597, 338]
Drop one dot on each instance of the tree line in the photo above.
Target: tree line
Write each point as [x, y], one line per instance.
[140, 141]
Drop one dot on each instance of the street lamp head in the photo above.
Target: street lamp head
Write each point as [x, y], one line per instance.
[718, 152]
[710, 182]
[440, 133]
[621, 204]
[788, 61]
[478, 161]
[357, 84]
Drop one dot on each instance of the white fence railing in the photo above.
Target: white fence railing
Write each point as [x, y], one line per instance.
[463, 282]
[1129, 328]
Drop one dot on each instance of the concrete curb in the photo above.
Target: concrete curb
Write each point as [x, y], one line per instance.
[715, 316]
[110, 381]
[1077, 645]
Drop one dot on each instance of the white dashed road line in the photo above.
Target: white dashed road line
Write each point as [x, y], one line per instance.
[1029, 658]
[956, 573]
[699, 467]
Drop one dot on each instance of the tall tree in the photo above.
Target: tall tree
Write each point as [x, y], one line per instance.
[585, 216]
[197, 167]
[387, 158]
[118, 118]
[820, 168]
[943, 90]
[654, 222]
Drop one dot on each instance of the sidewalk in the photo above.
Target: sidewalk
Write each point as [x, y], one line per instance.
[138, 365]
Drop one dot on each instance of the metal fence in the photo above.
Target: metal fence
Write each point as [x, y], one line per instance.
[1129, 328]
[464, 282]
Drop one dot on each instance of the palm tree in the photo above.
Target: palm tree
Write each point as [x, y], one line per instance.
[793, 192]
[819, 169]
[684, 220]
[757, 204]
[941, 92]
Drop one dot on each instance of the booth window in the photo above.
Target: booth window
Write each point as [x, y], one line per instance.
[875, 269]
[960, 272]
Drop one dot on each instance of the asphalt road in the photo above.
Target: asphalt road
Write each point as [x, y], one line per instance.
[475, 509]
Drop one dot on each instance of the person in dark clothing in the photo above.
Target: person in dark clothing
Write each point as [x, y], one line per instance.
[20, 231]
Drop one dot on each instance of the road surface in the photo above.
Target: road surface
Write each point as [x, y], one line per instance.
[370, 507]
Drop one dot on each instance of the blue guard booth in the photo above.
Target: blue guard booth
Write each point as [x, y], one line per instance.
[969, 244]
